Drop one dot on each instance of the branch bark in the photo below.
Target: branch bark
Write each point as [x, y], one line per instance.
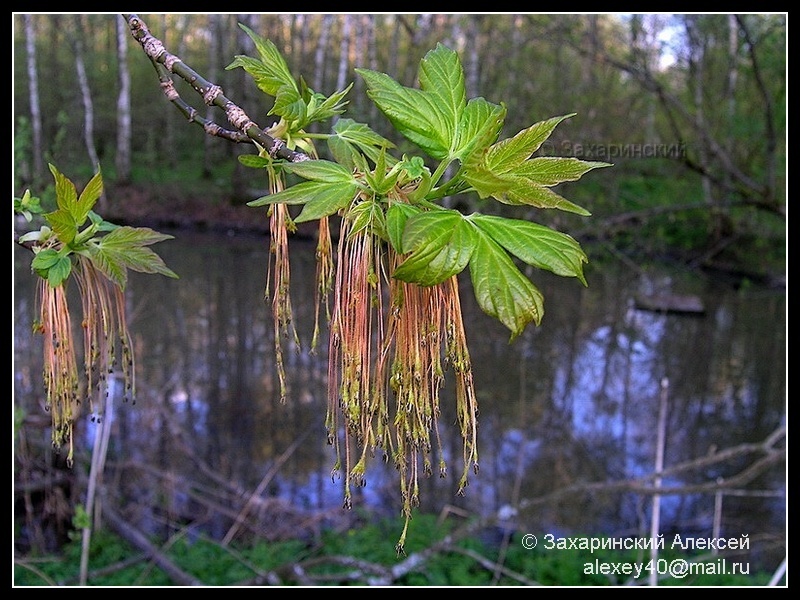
[140, 541]
[167, 64]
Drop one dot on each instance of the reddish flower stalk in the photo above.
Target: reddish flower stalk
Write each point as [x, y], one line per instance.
[278, 277]
[104, 327]
[383, 360]
[60, 372]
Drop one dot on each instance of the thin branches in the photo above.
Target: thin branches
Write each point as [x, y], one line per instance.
[167, 64]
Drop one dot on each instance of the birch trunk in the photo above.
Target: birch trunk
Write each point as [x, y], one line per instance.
[33, 92]
[123, 158]
[88, 106]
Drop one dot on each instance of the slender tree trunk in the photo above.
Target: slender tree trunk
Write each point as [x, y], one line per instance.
[300, 28]
[372, 62]
[733, 75]
[88, 106]
[123, 158]
[213, 75]
[321, 52]
[696, 77]
[33, 91]
[473, 59]
[344, 51]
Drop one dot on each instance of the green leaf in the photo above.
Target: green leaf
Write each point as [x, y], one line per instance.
[501, 290]
[297, 194]
[485, 182]
[321, 198]
[396, 217]
[66, 194]
[43, 260]
[107, 262]
[325, 108]
[290, 106]
[58, 273]
[350, 137]
[89, 196]
[441, 75]
[126, 248]
[481, 123]
[414, 113]
[526, 192]
[368, 215]
[535, 244]
[254, 161]
[551, 170]
[52, 266]
[328, 199]
[440, 243]
[360, 135]
[63, 224]
[271, 73]
[512, 152]
[321, 170]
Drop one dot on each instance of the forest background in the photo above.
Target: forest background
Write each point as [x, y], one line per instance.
[691, 110]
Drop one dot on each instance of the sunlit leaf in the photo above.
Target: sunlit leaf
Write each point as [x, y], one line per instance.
[511, 152]
[440, 244]
[441, 76]
[552, 170]
[126, 248]
[63, 224]
[271, 72]
[535, 244]
[414, 113]
[487, 182]
[89, 196]
[321, 170]
[481, 123]
[526, 192]
[66, 194]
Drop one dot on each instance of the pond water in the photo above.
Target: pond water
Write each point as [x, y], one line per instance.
[565, 408]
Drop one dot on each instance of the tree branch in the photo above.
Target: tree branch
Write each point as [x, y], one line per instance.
[167, 64]
[137, 539]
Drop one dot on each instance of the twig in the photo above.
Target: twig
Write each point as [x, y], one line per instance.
[261, 487]
[166, 64]
[140, 541]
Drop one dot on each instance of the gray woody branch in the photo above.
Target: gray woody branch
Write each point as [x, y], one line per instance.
[167, 64]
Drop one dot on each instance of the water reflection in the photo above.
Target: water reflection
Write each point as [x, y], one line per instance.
[573, 401]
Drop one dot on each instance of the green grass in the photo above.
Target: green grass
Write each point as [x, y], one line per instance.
[113, 562]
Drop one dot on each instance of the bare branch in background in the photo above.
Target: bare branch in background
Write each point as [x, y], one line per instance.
[167, 64]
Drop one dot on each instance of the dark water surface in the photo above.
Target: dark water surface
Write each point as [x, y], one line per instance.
[572, 402]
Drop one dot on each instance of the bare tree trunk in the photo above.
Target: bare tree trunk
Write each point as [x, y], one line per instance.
[213, 72]
[697, 74]
[123, 158]
[33, 91]
[300, 28]
[473, 60]
[88, 106]
[344, 51]
[322, 49]
[372, 62]
[733, 75]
